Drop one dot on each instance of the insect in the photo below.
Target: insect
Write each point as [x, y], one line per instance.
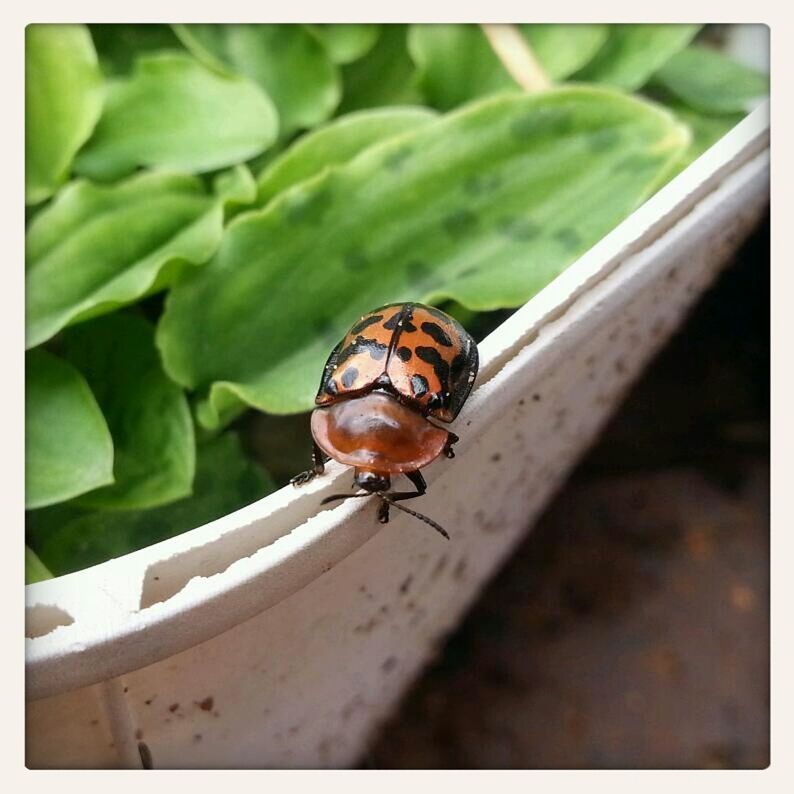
[396, 369]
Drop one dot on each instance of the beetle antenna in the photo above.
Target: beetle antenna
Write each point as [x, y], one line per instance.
[438, 528]
[339, 496]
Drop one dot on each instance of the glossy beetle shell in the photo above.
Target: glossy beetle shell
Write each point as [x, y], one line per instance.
[377, 433]
[419, 354]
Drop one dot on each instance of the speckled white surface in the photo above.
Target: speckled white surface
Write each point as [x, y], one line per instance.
[280, 635]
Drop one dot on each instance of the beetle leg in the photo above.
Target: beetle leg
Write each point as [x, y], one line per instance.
[318, 459]
[451, 439]
[421, 488]
[418, 480]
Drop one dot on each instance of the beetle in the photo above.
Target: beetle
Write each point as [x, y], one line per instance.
[399, 367]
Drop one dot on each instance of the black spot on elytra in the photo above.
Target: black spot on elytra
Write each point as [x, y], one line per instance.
[419, 385]
[603, 140]
[434, 358]
[365, 323]
[517, 228]
[437, 333]
[458, 365]
[349, 377]
[569, 238]
[459, 222]
[308, 207]
[331, 388]
[355, 261]
[361, 345]
[404, 353]
[393, 321]
[479, 184]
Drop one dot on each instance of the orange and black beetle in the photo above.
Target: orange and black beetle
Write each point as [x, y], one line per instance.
[397, 367]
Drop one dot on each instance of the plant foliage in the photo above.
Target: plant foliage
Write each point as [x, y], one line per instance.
[210, 206]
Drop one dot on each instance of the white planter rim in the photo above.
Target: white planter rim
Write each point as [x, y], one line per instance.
[134, 610]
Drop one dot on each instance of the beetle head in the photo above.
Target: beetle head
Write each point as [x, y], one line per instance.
[372, 481]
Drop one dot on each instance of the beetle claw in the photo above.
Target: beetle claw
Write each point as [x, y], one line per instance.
[303, 477]
[451, 439]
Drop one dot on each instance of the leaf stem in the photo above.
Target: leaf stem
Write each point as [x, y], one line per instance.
[516, 55]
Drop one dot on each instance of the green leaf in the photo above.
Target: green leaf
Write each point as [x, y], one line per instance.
[118, 46]
[235, 188]
[346, 43]
[632, 53]
[99, 247]
[485, 206]
[706, 131]
[35, 570]
[63, 101]
[563, 49]
[710, 82]
[336, 143]
[287, 61]
[68, 448]
[147, 413]
[175, 113]
[455, 63]
[384, 76]
[68, 538]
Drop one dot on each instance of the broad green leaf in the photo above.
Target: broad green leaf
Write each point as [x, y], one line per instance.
[68, 448]
[287, 61]
[99, 247]
[173, 112]
[484, 206]
[346, 43]
[563, 49]
[63, 101]
[336, 143]
[632, 53]
[148, 414]
[35, 569]
[710, 82]
[706, 131]
[118, 46]
[384, 76]
[235, 188]
[68, 538]
[455, 63]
